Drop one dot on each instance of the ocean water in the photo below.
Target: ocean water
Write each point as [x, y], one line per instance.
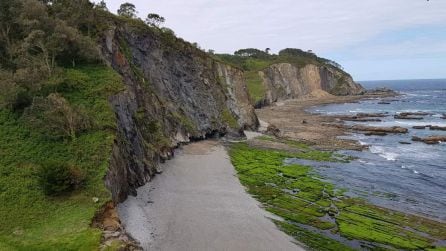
[410, 178]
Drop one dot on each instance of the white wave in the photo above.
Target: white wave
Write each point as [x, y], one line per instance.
[415, 172]
[417, 123]
[389, 156]
[362, 143]
[381, 151]
[416, 95]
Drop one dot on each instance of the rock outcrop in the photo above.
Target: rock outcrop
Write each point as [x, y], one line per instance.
[431, 140]
[377, 129]
[174, 93]
[287, 81]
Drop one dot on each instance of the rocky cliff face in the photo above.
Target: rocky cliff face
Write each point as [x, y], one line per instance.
[286, 81]
[175, 93]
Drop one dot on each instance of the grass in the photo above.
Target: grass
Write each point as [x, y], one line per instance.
[255, 86]
[227, 117]
[306, 201]
[29, 219]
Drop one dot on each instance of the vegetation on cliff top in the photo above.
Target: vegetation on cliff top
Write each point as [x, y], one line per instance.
[319, 215]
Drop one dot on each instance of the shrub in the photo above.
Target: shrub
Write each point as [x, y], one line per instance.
[56, 117]
[57, 178]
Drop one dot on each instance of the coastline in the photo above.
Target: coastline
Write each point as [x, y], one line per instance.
[324, 218]
[359, 224]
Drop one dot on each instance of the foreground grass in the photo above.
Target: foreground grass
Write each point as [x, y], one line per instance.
[30, 220]
[317, 214]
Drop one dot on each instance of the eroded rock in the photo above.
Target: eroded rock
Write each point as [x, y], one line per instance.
[394, 129]
[431, 140]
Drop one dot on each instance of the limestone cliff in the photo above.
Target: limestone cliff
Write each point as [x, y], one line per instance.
[174, 93]
[287, 81]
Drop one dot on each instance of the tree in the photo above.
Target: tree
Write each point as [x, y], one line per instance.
[59, 177]
[267, 50]
[127, 10]
[9, 90]
[155, 19]
[57, 117]
[9, 30]
[251, 52]
[101, 6]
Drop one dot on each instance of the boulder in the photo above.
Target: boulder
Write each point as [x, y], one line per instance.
[273, 130]
[368, 129]
[375, 134]
[399, 116]
[405, 143]
[431, 140]
[371, 115]
[437, 128]
[420, 127]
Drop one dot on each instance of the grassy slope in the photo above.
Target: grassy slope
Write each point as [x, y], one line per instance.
[29, 219]
[298, 195]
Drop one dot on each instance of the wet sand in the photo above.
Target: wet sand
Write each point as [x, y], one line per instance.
[198, 203]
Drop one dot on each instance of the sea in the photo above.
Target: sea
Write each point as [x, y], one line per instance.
[406, 177]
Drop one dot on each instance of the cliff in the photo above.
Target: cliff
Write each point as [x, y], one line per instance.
[174, 93]
[290, 74]
[287, 81]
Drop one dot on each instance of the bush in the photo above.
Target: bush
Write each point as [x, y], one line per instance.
[57, 178]
[56, 117]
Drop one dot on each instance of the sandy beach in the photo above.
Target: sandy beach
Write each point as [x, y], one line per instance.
[198, 203]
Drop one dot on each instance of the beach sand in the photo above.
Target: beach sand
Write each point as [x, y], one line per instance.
[198, 203]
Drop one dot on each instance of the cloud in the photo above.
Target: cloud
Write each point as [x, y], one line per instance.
[328, 27]
[321, 25]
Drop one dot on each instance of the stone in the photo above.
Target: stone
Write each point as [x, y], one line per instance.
[405, 143]
[273, 130]
[407, 117]
[375, 134]
[394, 129]
[437, 128]
[431, 140]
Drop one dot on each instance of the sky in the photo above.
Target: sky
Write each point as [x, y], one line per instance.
[371, 39]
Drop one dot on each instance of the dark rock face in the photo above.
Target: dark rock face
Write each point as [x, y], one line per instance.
[287, 81]
[174, 93]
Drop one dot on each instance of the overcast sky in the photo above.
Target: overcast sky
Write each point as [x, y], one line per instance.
[372, 39]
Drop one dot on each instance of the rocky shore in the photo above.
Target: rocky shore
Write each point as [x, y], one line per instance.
[293, 121]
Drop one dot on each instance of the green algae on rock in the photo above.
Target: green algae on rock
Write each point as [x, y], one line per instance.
[319, 215]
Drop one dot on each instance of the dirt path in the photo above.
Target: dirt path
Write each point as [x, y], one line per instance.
[198, 203]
